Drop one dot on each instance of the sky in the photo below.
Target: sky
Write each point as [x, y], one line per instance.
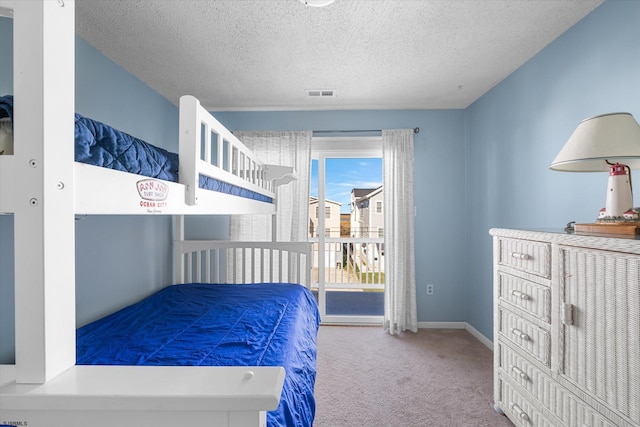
[343, 175]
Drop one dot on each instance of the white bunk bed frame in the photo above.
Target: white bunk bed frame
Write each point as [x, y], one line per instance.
[205, 147]
[208, 261]
[44, 188]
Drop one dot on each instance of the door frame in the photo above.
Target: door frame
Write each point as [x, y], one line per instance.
[323, 148]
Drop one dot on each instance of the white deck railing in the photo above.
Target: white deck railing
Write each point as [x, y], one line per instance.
[350, 263]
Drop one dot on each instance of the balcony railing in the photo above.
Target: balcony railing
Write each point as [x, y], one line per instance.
[349, 264]
[349, 231]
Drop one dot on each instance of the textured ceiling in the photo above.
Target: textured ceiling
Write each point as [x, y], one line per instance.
[375, 54]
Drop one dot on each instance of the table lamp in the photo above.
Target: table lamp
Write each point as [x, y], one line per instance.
[608, 142]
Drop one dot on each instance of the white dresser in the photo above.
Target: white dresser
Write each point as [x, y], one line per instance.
[566, 328]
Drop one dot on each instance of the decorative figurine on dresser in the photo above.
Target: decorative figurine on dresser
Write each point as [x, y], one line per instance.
[606, 143]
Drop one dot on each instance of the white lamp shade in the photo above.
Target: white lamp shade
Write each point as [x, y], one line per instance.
[612, 138]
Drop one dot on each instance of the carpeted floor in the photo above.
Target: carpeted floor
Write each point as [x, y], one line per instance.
[437, 377]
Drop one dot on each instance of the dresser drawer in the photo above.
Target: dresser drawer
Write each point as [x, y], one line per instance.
[531, 297]
[521, 371]
[521, 410]
[526, 255]
[569, 409]
[531, 338]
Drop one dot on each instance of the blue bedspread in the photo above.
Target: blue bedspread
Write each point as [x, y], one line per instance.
[224, 187]
[217, 325]
[101, 145]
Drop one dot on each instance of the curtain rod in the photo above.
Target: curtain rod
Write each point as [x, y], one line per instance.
[415, 130]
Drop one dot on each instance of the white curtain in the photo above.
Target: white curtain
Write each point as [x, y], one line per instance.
[286, 148]
[400, 307]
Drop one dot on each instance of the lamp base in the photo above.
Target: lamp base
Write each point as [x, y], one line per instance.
[620, 227]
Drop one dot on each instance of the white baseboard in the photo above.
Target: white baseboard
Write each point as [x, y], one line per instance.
[484, 340]
[458, 325]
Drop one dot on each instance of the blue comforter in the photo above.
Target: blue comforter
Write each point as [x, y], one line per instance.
[217, 325]
[101, 145]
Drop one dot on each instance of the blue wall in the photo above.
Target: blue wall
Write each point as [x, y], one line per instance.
[6, 51]
[119, 259]
[516, 130]
[501, 145]
[439, 195]
[7, 336]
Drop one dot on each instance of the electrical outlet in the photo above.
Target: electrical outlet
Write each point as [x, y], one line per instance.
[429, 289]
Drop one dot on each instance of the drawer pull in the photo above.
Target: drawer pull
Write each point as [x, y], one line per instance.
[520, 413]
[520, 334]
[520, 255]
[522, 374]
[566, 315]
[520, 295]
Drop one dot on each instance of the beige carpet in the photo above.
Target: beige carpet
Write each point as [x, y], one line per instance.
[436, 377]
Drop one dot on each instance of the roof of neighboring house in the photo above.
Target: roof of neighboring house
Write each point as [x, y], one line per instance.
[360, 192]
[313, 200]
[363, 193]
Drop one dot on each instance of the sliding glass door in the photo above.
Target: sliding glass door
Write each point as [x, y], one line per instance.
[346, 226]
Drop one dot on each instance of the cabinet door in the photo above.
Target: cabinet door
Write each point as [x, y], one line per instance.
[600, 332]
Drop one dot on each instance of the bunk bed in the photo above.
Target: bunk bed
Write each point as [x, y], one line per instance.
[168, 380]
[264, 316]
[213, 172]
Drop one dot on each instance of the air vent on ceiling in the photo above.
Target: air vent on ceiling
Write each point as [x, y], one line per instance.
[321, 93]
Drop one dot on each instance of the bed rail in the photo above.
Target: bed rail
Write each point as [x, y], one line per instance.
[208, 148]
[220, 261]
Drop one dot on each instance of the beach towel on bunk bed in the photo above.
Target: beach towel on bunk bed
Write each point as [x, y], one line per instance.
[217, 325]
[101, 145]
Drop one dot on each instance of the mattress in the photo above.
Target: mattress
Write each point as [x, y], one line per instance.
[101, 145]
[217, 325]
